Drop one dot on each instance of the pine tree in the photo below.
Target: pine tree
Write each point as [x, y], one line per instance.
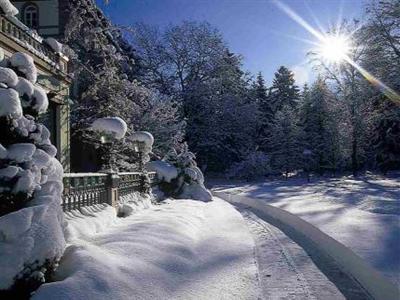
[31, 226]
[319, 127]
[285, 144]
[265, 111]
[284, 91]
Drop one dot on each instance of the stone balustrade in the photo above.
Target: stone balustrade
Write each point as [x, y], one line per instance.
[86, 189]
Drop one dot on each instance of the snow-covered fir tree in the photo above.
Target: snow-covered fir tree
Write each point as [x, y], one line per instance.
[320, 133]
[284, 90]
[285, 142]
[31, 217]
[265, 111]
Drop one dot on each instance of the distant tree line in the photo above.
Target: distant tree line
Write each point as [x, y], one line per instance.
[183, 84]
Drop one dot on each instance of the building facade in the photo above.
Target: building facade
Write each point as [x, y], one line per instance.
[47, 17]
[52, 77]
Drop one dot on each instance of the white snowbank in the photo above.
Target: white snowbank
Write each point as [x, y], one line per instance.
[9, 103]
[54, 44]
[132, 203]
[25, 64]
[8, 8]
[89, 221]
[8, 77]
[195, 191]
[180, 250]
[370, 279]
[165, 171]
[114, 126]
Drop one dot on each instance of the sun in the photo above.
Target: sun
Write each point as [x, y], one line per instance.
[334, 48]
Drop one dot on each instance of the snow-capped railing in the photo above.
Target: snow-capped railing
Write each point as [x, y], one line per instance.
[31, 42]
[86, 189]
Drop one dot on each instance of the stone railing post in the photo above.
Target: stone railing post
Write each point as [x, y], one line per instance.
[112, 189]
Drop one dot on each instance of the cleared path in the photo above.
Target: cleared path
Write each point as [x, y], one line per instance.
[287, 271]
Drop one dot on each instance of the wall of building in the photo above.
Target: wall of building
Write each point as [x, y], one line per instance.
[48, 14]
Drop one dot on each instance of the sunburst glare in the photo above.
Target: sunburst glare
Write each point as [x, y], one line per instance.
[334, 48]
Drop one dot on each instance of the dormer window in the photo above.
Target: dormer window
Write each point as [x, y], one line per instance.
[31, 16]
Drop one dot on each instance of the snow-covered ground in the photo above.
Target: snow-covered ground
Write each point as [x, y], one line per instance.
[362, 214]
[184, 249]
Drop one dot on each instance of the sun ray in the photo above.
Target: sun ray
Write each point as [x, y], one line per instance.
[387, 91]
[335, 47]
[295, 17]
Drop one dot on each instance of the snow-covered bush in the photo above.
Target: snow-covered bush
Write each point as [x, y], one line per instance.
[255, 165]
[113, 126]
[146, 139]
[179, 175]
[31, 218]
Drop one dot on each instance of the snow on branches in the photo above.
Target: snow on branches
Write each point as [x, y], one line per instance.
[31, 218]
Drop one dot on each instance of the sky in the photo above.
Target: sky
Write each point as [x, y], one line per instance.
[262, 33]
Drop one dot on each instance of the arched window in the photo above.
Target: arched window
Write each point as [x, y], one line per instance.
[31, 16]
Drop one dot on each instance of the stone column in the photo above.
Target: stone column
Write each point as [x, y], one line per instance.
[112, 189]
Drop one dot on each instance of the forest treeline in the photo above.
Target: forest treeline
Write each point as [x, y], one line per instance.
[185, 85]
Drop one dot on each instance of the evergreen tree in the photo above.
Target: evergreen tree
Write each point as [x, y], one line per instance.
[32, 223]
[265, 111]
[285, 145]
[319, 127]
[284, 91]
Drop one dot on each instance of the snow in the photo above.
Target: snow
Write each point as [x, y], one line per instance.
[89, 221]
[132, 203]
[28, 235]
[8, 8]
[24, 87]
[3, 152]
[40, 101]
[362, 214]
[9, 172]
[25, 64]
[114, 126]
[54, 44]
[20, 152]
[179, 250]
[8, 77]
[31, 238]
[9, 103]
[370, 279]
[144, 137]
[195, 191]
[165, 171]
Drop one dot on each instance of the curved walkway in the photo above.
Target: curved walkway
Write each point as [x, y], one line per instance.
[286, 270]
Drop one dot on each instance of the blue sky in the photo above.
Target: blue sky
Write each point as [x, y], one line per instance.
[265, 36]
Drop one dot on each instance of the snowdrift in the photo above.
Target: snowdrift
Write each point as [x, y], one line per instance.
[183, 249]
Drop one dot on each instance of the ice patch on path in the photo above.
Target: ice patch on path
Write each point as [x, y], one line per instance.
[180, 250]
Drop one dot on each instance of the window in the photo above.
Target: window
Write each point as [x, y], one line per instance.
[31, 16]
